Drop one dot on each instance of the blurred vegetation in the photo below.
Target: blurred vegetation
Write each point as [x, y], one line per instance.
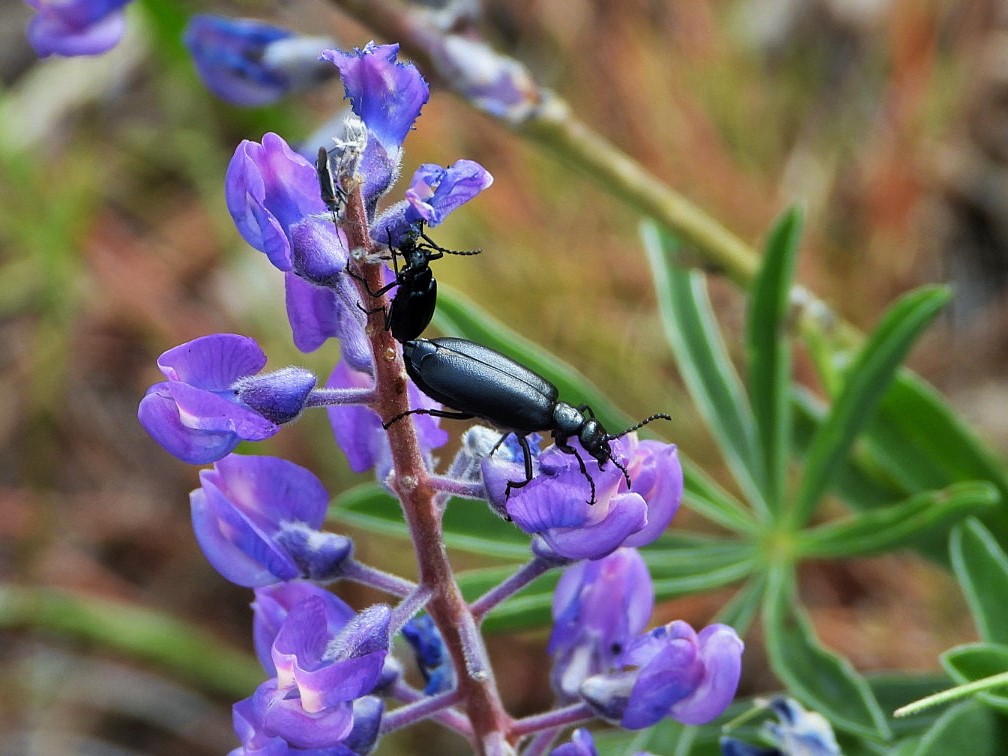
[885, 120]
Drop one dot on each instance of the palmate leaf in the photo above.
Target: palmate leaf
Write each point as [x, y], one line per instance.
[821, 679]
[865, 382]
[703, 360]
[968, 728]
[768, 353]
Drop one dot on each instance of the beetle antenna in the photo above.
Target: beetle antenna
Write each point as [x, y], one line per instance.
[641, 424]
[444, 251]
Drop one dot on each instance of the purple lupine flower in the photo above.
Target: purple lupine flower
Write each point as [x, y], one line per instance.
[325, 668]
[75, 27]
[598, 608]
[670, 672]
[319, 699]
[273, 196]
[433, 194]
[358, 429]
[272, 605]
[554, 505]
[268, 188]
[248, 62]
[797, 731]
[581, 744]
[388, 97]
[431, 656]
[257, 520]
[213, 398]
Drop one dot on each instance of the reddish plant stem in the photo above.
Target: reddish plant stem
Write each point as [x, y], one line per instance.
[411, 482]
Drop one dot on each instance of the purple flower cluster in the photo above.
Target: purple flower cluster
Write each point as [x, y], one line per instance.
[627, 677]
[260, 520]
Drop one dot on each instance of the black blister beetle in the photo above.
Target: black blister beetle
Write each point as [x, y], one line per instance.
[476, 381]
[333, 196]
[413, 305]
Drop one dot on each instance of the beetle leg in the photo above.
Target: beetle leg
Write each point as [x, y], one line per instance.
[527, 458]
[568, 449]
[432, 412]
[360, 278]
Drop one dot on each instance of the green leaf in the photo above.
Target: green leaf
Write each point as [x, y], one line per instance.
[980, 661]
[142, 634]
[981, 568]
[769, 354]
[460, 316]
[741, 610]
[865, 382]
[964, 729]
[881, 530]
[860, 482]
[468, 525]
[705, 497]
[822, 680]
[703, 360]
[697, 565]
[920, 439]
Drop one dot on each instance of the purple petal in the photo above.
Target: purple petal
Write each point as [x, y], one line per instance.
[657, 476]
[581, 744]
[627, 514]
[317, 314]
[78, 27]
[159, 416]
[357, 428]
[270, 490]
[272, 605]
[268, 188]
[721, 655]
[231, 542]
[251, 63]
[387, 95]
[204, 411]
[284, 717]
[213, 362]
[435, 191]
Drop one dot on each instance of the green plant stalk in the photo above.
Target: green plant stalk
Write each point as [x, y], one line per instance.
[953, 694]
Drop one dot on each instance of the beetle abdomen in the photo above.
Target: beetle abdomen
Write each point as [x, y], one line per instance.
[475, 379]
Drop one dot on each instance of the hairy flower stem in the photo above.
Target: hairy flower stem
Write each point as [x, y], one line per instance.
[509, 587]
[411, 482]
[552, 720]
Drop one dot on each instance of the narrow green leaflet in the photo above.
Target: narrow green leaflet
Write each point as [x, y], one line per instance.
[901, 524]
[864, 384]
[707, 498]
[968, 728]
[981, 568]
[916, 434]
[768, 354]
[977, 662]
[859, 480]
[744, 605]
[822, 680]
[142, 634]
[703, 360]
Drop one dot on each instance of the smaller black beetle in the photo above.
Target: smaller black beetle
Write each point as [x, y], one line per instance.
[413, 305]
[479, 382]
[332, 195]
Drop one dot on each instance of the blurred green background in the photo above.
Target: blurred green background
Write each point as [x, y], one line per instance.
[887, 120]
